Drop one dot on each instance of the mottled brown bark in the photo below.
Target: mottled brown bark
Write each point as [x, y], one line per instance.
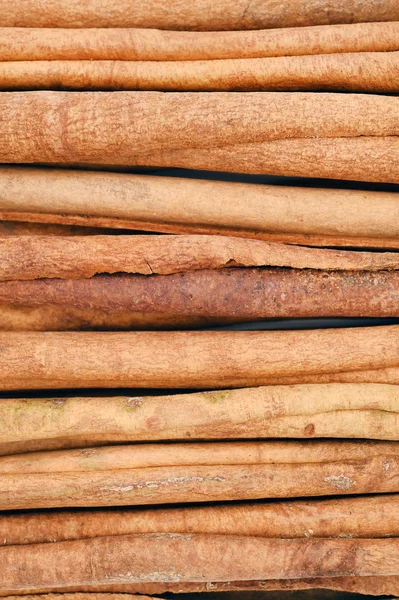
[235, 293]
[141, 45]
[202, 15]
[176, 558]
[328, 411]
[192, 359]
[125, 129]
[81, 257]
[362, 517]
[307, 216]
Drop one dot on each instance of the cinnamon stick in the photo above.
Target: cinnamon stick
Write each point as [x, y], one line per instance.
[202, 15]
[192, 359]
[227, 293]
[30, 44]
[129, 559]
[350, 72]
[302, 411]
[125, 129]
[356, 517]
[81, 257]
[376, 471]
[307, 216]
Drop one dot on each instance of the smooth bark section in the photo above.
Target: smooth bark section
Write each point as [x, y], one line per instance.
[148, 456]
[176, 558]
[18, 44]
[362, 517]
[190, 359]
[348, 72]
[203, 15]
[235, 294]
[310, 216]
[125, 128]
[302, 411]
[82, 257]
[200, 483]
[373, 159]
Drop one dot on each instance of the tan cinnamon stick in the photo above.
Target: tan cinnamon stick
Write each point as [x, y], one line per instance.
[226, 293]
[350, 72]
[191, 359]
[20, 43]
[202, 483]
[203, 15]
[148, 456]
[82, 257]
[129, 559]
[302, 411]
[357, 517]
[125, 129]
[297, 215]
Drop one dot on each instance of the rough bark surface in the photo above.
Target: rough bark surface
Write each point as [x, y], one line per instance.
[19, 44]
[193, 359]
[304, 411]
[203, 15]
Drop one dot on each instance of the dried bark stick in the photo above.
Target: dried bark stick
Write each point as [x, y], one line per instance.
[302, 411]
[130, 559]
[199, 483]
[145, 456]
[303, 215]
[358, 72]
[226, 293]
[80, 257]
[18, 44]
[190, 359]
[125, 128]
[356, 158]
[362, 517]
[203, 15]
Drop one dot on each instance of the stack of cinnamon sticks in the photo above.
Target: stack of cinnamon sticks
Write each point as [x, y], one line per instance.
[143, 452]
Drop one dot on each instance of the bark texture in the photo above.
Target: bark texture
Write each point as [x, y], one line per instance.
[362, 517]
[248, 294]
[177, 558]
[82, 257]
[195, 359]
[304, 411]
[350, 72]
[203, 15]
[307, 216]
[219, 129]
[21, 43]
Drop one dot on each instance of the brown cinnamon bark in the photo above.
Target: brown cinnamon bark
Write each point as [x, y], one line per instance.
[125, 129]
[192, 359]
[203, 15]
[81, 257]
[296, 215]
[362, 517]
[351, 72]
[303, 411]
[248, 294]
[148, 456]
[163, 557]
[376, 472]
[19, 44]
